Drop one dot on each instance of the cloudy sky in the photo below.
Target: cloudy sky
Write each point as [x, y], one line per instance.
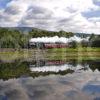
[54, 15]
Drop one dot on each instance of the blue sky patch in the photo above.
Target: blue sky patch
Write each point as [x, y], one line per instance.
[3, 3]
[91, 14]
[96, 2]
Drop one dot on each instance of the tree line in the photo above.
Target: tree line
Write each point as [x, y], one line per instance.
[14, 38]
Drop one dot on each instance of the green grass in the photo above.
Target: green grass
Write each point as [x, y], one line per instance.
[84, 49]
[52, 54]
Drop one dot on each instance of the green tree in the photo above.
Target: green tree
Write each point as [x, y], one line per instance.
[73, 44]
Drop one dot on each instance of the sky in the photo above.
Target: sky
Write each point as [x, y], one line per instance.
[54, 15]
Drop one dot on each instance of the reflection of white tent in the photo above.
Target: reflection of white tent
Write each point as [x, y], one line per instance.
[57, 39]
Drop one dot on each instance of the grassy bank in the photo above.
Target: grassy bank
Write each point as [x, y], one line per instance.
[51, 54]
[82, 49]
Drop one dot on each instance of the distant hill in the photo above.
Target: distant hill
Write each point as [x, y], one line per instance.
[28, 29]
[24, 29]
[82, 35]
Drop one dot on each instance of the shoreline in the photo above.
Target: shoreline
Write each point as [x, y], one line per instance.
[52, 54]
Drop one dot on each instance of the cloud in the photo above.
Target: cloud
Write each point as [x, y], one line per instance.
[12, 14]
[37, 16]
[95, 19]
[51, 15]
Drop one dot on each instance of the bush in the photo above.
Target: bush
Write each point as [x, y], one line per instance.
[95, 43]
[84, 43]
[73, 44]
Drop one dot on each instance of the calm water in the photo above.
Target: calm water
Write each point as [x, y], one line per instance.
[50, 80]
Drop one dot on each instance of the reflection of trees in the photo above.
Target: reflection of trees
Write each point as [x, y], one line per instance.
[73, 62]
[36, 74]
[94, 65]
[16, 69]
[13, 70]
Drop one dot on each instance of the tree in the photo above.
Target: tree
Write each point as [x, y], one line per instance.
[12, 38]
[84, 43]
[94, 40]
[73, 44]
[42, 33]
[95, 43]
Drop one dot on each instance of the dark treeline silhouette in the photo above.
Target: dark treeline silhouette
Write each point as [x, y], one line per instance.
[43, 33]
[94, 40]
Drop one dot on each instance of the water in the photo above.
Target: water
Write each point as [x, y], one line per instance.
[50, 80]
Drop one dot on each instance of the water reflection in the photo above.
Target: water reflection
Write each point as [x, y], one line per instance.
[80, 80]
[57, 68]
[76, 86]
[25, 69]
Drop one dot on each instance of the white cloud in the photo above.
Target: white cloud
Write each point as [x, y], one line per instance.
[95, 19]
[50, 15]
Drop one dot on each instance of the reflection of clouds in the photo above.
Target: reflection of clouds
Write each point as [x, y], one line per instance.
[77, 95]
[92, 88]
[74, 86]
[13, 90]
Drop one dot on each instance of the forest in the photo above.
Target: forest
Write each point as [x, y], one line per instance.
[14, 38]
